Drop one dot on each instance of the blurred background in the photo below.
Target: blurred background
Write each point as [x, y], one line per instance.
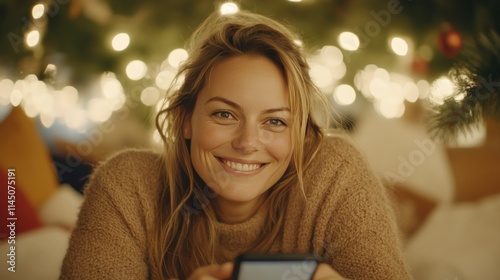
[82, 79]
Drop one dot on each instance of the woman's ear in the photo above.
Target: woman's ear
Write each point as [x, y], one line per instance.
[187, 128]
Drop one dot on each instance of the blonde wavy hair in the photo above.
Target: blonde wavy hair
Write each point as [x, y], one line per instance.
[185, 231]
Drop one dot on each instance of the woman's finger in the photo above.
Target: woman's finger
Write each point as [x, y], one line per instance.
[326, 272]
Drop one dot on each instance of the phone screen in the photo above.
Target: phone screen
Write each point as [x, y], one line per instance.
[285, 267]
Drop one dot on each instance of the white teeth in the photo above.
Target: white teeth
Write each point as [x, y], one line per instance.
[241, 166]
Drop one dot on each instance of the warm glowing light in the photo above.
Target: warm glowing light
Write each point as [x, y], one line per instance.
[474, 137]
[391, 109]
[118, 102]
[363, 79]
[32, 38]
[176, 57]
[321, 76]
[382, 74]
[395, 93]
[298, 42]
[6, 87]
[150, 96]
[111, 88]
[30, 109]
[339, 71]
[331, 55]
[31, 78]
[378, 88]
[392, 104]
[164, 79]
[136, 70]
[371, 67]
[159, 106]
[98, 110]
[76, 119]
[47, 119]
[51, 69]
[423, 89]
[120, 41]
[46, 103]
[399, 46]
[157, 137]
[70, 95]
[179, 81]
[441, 89]
[36, 98]
[348, 41]
[344, 95]
[16, 97]
[296, 1]
[37, 11]
[459, 97]
[360, 84]
[410, 91]
[229, 8]
[162, 104]
[65, 100]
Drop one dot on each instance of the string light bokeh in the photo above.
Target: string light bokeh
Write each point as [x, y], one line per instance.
[78, 108]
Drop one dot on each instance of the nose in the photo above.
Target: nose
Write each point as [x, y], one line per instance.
[247, 139]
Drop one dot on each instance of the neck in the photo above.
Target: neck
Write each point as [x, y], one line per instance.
[235, 212]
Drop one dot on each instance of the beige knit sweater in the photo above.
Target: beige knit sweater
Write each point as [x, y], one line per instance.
[346, 219]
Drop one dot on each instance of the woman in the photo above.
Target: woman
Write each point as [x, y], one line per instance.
[246, 167]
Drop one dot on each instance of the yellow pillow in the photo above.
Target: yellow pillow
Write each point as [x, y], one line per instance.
[22, 149]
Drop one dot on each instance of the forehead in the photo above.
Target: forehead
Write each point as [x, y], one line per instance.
[252, 76]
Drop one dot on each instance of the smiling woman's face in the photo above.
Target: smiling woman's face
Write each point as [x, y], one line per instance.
[240, 130]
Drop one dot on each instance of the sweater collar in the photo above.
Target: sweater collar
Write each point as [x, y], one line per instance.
[239, 237]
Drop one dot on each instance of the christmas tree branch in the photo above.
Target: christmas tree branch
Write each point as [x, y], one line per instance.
[476, 76]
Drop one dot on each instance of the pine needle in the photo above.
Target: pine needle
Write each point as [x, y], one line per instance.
[476, 76]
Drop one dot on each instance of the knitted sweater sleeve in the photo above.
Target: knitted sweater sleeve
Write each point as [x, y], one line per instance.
[109, 241]
[361, 238]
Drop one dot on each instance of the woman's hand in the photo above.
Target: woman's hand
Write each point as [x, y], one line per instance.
[223, 271]
[213, 272]
[326, 272]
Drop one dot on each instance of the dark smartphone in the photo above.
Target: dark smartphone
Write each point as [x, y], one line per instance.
[275, 266]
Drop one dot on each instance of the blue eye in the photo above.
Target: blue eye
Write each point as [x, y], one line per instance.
[277, 122]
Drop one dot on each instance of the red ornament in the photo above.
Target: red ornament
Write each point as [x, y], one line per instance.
[449, 41]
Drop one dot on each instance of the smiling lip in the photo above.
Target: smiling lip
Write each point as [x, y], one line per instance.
[241, 166]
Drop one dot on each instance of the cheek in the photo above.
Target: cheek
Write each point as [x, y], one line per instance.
[280, 147]
[209, 136]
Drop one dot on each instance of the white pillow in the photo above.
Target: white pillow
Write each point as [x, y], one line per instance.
[458, 241]
[62, 207]
[38, 254]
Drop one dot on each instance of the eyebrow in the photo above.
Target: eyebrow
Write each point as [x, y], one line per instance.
[238, 107]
